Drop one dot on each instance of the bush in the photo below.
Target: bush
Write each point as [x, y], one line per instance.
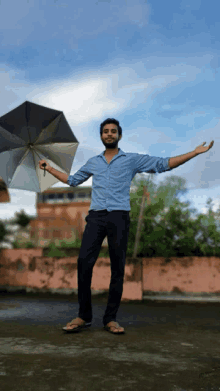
[55, 252]
[16, 244]
[29, 245]
[75, 244]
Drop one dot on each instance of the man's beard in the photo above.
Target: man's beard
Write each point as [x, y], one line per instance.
[111, 144]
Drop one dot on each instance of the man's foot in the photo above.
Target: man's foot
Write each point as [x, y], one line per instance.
[114, 328]
[76, 325]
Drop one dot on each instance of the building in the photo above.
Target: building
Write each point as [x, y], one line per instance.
[61, 215]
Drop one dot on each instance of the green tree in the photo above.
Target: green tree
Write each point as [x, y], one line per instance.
[167, 229]
[171, 227]
[180, 229]
[167, 190]
[22, 219]
[4, 232]
[208, 233]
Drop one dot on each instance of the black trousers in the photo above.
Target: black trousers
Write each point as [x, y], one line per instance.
[115, 225]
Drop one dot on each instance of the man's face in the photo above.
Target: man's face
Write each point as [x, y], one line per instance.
[110, 136]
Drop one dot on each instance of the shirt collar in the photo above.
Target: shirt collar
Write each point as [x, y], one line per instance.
[120, 152]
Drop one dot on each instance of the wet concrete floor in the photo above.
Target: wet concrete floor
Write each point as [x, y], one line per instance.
[167, 346]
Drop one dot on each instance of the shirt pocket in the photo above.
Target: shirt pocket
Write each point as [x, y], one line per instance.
[120, 174]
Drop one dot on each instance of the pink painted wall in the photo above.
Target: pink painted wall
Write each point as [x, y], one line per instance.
[187, 274]
[27, 268]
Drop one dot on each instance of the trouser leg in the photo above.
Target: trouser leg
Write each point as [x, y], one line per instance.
[117, 232]
[93, 236]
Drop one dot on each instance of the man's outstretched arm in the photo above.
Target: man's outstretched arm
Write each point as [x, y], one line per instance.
[178, 160]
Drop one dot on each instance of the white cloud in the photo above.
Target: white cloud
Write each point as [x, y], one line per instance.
[89, 97]
[151, 136]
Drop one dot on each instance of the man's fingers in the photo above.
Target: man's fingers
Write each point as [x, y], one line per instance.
[210, 145]
[41, 162]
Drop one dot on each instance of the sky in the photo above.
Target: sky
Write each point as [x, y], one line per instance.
[152, 65]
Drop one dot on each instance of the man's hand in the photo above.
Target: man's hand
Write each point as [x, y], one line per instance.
[201, 149]
[47, 167]
[57, 174]
[178, 160]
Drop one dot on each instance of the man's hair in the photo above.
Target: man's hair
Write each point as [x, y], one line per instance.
[111, 121]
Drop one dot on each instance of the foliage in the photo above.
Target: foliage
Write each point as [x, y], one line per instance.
[170, 227]
[76, 243]
[22, 219]
[4, 232]
[55, 252]
[29, 244]
[15, 244]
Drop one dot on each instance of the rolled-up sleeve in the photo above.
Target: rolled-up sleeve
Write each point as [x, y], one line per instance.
[151, 164]
[80, 176]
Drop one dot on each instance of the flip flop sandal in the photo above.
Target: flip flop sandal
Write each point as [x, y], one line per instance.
[116, 325]
[78, 328]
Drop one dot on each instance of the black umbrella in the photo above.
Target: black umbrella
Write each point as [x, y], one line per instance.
[30, 133]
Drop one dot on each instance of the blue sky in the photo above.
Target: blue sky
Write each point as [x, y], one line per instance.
[153, 65]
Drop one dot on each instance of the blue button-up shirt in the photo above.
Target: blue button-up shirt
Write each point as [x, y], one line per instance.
[111, 181]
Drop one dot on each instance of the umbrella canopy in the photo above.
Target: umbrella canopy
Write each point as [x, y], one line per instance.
[30, 133]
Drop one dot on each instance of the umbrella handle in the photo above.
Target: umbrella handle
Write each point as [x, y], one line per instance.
[44, 165]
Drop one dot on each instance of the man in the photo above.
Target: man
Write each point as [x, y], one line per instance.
[113, 171]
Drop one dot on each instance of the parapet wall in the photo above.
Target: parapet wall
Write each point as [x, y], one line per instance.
[30, 270]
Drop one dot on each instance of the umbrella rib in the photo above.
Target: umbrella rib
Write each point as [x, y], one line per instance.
[36, 153]
[29, 134]
[29, 141]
